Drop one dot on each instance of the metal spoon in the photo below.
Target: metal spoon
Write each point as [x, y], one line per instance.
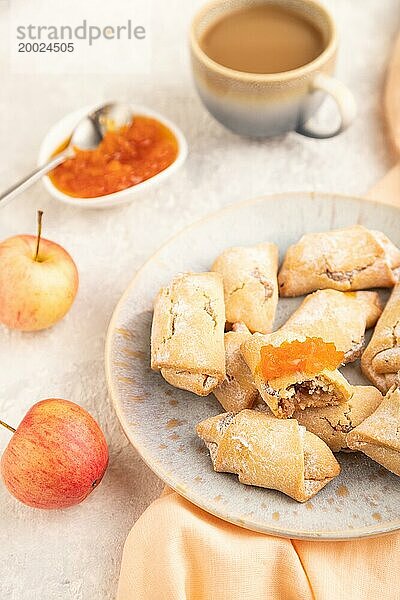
[87, 135]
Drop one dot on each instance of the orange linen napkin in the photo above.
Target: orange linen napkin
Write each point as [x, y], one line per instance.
[177, 551]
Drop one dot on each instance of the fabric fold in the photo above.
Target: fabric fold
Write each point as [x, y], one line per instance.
[177, 551]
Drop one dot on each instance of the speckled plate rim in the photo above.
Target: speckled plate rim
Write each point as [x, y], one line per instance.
[259, 527]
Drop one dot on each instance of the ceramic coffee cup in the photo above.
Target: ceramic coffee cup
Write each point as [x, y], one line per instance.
[264, 105]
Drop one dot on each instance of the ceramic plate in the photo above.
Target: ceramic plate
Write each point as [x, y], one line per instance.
[160, 420]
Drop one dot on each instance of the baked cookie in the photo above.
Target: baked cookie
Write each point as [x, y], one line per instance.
[287, 377]
[237, 391]
[250, 284]
[187, 335]
[381, 359]
[354, 258]
[268, 452]
[379, 435]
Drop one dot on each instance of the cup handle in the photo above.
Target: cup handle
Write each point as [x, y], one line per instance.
[345, 103]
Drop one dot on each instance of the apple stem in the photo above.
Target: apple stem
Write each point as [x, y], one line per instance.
[7, 426]
[39, 232]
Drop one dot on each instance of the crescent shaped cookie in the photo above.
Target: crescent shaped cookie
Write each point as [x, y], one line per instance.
[337, 317]
[237, 391]
[333, 423]
[250, 284]
[354, 258]
[269, 452]
[379, 435]
[187, 335]
[297, 390]
[381, 359]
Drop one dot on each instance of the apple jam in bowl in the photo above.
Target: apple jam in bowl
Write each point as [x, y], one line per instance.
[130, 160]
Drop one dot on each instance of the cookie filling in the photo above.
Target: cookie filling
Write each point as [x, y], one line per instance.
[314, 392]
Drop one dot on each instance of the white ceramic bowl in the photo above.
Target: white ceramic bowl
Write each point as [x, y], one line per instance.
[63, 129]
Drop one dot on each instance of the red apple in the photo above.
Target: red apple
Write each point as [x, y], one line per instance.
[56, 457]
[38, 282]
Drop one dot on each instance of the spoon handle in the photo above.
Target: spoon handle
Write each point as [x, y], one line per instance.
[34, 176]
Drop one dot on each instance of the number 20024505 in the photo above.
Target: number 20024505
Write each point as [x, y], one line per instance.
[45, 47]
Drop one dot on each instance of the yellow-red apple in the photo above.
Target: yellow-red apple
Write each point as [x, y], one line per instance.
[38, 282]
[56, 456]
